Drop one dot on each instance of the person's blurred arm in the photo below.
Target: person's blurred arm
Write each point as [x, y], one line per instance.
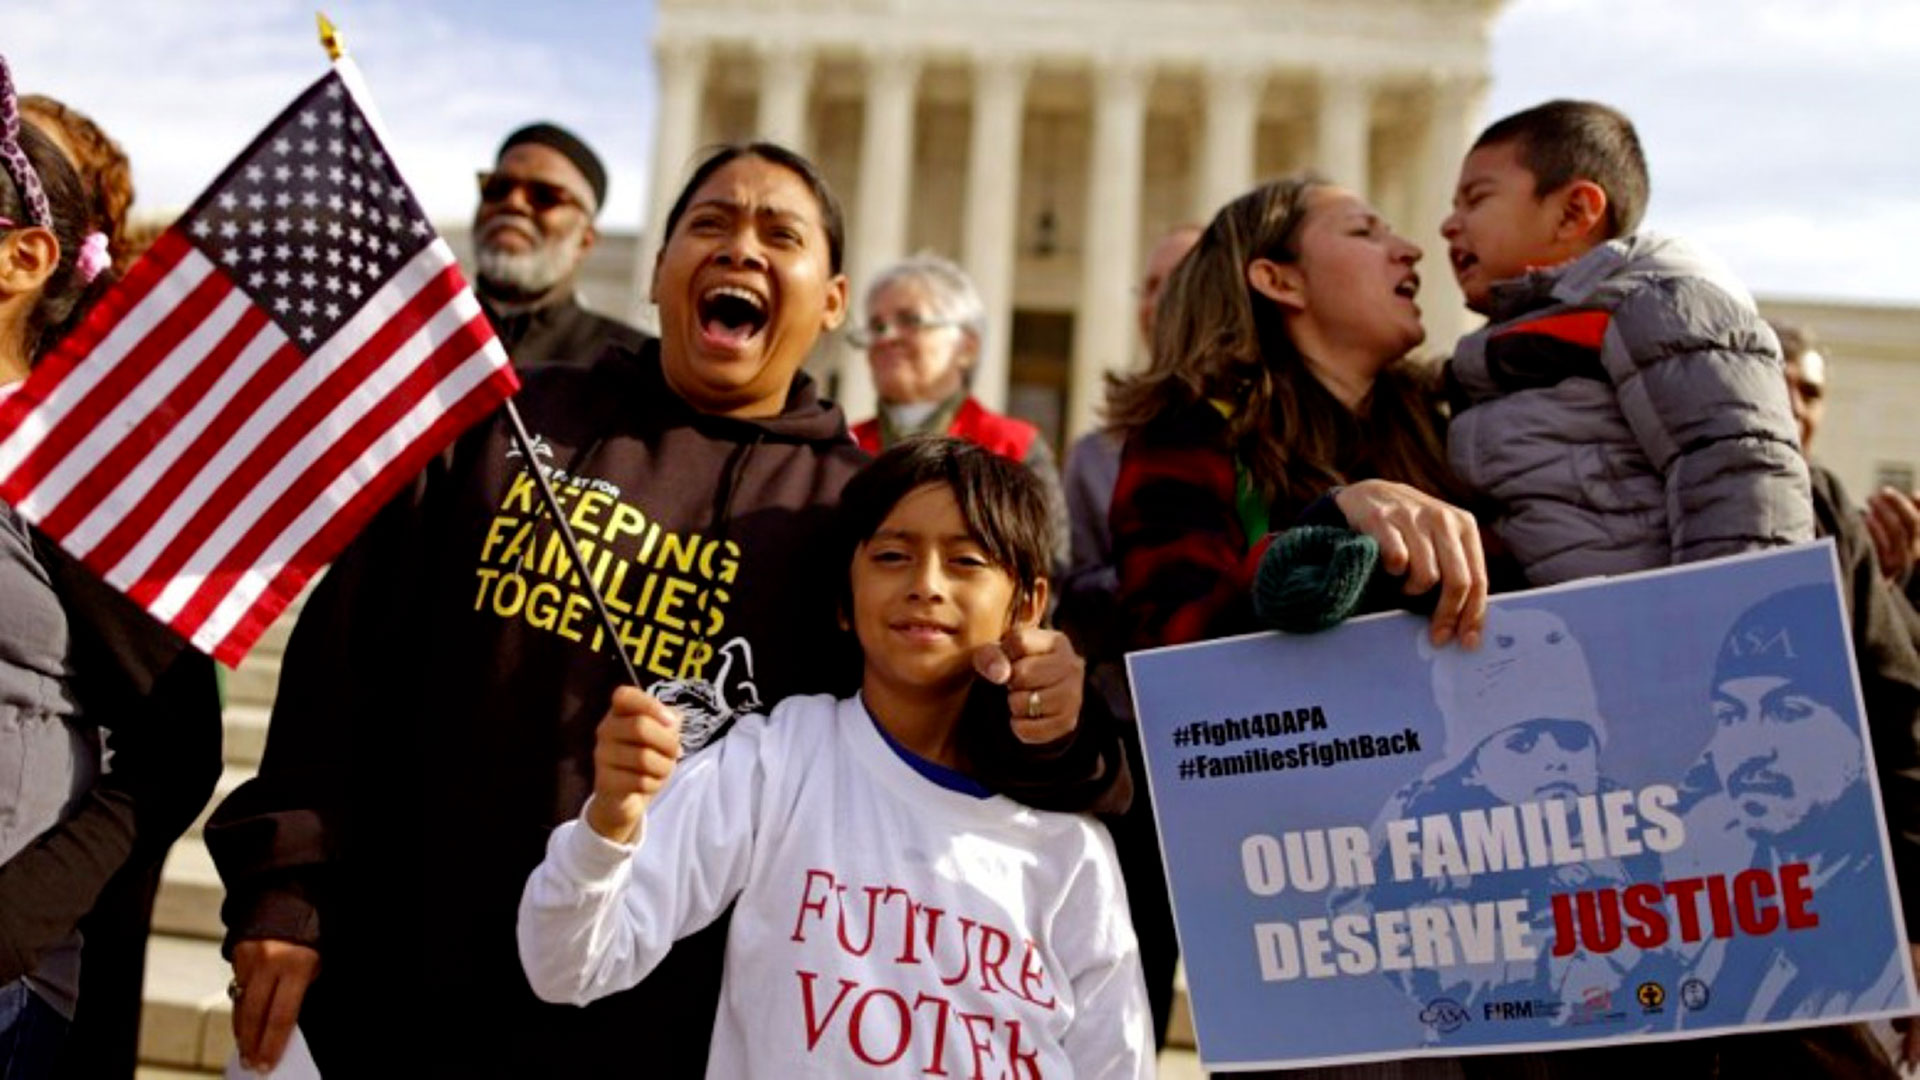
[159, 702]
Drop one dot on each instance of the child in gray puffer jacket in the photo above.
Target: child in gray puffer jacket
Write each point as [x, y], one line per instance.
[1624, 407]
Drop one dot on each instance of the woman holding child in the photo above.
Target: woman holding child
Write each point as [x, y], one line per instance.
[1281, 393]
[1283, 425]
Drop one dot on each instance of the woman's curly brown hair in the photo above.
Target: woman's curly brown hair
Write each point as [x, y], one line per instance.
[103, 168]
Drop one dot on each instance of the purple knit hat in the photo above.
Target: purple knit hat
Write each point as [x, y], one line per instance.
[13, 159]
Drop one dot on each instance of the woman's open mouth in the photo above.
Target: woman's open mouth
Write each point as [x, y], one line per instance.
[731, 315]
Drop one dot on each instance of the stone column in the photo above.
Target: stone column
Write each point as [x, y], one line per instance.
[993, 202]
[1453, 118]
[1103, 329]
[1344, 134]
[879, 224]
[683, 79]
[786, 75]
[1227, 152]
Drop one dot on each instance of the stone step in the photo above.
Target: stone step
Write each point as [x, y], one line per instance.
[274, 640]
[1176, 1064]
[253, 683]
[188, 903]
[245, 734]
[185, 1019]
[230, 777]
[1180, 1018]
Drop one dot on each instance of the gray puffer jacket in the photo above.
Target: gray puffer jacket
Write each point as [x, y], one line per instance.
[1627, 410]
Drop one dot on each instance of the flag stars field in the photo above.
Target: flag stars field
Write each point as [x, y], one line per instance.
[237, 418]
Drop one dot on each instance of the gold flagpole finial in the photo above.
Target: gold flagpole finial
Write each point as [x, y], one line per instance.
[329, 36]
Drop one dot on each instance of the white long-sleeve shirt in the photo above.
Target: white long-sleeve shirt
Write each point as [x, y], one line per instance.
[885, 925]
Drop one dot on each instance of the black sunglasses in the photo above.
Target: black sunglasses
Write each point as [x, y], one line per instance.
[541, 196]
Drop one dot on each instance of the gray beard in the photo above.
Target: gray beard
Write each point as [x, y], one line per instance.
[527, 274]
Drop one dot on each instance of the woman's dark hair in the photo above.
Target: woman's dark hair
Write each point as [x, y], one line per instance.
[1001, 501]
[832, 221]
[1216, 338]
[61, 297]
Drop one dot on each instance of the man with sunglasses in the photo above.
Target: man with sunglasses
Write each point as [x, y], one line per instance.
[531, 233]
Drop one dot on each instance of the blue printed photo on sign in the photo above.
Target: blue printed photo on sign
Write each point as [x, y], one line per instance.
[1644, 808]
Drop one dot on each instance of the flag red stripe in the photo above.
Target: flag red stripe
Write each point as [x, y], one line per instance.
[246, 474]
[118, 382]
[312, 482]
[99, 482]
[353, 515]
[113, 547]
[162, 258]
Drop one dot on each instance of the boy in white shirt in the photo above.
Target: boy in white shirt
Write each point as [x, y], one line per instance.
[892, 915]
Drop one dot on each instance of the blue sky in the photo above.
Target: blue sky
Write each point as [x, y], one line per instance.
[1780, 132]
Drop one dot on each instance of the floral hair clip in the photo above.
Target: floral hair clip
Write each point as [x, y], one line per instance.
[93, 256]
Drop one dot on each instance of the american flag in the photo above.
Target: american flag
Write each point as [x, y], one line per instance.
[284, 359]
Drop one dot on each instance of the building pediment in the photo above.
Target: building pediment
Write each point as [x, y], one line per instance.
[1375, 35]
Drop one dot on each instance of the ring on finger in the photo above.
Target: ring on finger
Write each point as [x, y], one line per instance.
[235, 990]
[1033, 704]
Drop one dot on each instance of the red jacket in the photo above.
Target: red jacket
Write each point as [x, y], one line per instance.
[1004, 435]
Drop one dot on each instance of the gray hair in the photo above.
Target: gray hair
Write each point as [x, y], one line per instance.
[950, 291]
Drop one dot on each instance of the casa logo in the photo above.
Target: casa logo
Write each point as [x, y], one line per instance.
[1694, 995]
[1444, 1015]
[1650, 995]
[1525, 1009]
[1595, 1007]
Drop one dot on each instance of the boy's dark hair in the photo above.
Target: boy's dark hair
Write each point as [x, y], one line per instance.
[1001, 501]
[832, 220]
[1563, 141]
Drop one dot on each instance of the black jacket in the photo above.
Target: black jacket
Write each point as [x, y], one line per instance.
[558, 334]
[159, 703]
[1886, 645]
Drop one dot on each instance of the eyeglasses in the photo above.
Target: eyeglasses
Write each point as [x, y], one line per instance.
[541, 196]
[906, 324]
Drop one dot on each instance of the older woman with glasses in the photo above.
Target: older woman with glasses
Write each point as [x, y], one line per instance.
[922, 334]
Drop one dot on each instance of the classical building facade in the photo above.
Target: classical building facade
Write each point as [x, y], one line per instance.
[1045, 144]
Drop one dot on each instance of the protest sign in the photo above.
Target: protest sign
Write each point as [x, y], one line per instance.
[1644, 808]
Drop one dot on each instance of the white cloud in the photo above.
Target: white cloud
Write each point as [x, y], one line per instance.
[1779, 133]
